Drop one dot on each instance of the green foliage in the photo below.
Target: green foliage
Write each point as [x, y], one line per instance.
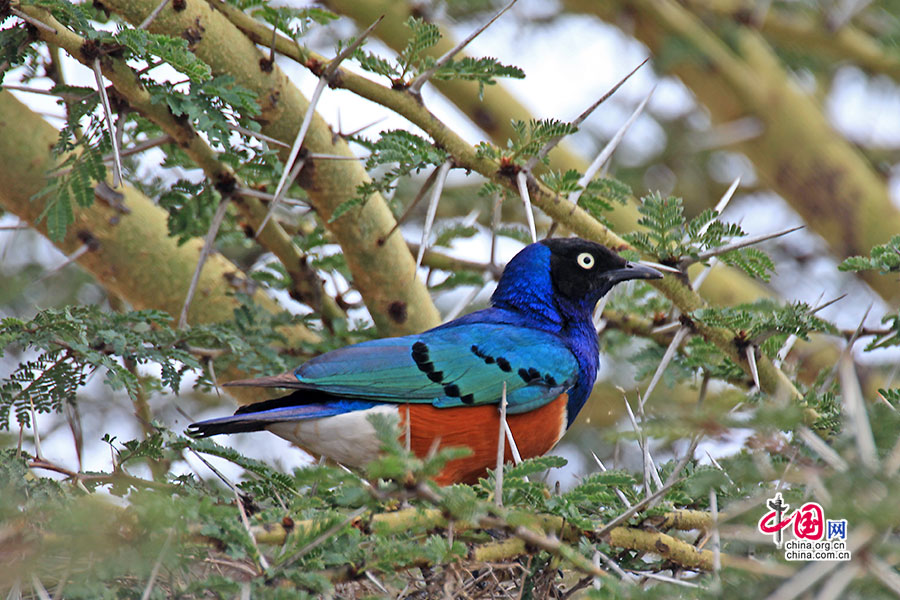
[884, 258]
[413, 60]
[171, 50]
[533, 135]
[295, 22]
[670, 237]
[73, 342]
[191, 207]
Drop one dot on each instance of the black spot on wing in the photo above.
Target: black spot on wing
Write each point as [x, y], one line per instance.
[436, 376]
[452, 390]
[420, 352]
[529, 375]
[504, 364]
[550, 380]
[467, 399]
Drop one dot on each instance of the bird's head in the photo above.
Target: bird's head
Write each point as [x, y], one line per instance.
[559, 276]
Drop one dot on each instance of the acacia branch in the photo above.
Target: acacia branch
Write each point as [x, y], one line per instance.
[377, 269]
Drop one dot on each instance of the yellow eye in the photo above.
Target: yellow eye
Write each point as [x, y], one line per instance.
[585, 260]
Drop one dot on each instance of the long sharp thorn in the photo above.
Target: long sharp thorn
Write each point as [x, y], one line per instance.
[666, 359]
[885, 573]
[785, 349]
[608, 150]
[361, 129]
[295, 149]
[635, 509]
[723, 202]
[204, 254]
[415, 86]
[152, 16]
[426, 185]
[432, 209]
[855, 411]
[584, 115]
[847, 349]
[619, 492]
[818, 445]
[333, 65]
[244, 191]
[738, 244]
[830, 302]
[278, 199]
[496, 215]
[81, 251]
[750, 352]
[522, 183]
[501, 450]
[257, 135]
[514, 448]
[38, 453]
[104, 97]
[714, 511]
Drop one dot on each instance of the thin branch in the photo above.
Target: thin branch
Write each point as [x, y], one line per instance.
[257, 135]
[154, 572]
[415, 87]
[32, 21]
[439, 181]
[244, 191]
[584, 115]
[246, 522]
[522, 183]
[104, 97]
[152, 16]
[608, 150]
[426, 185]
[204, 254]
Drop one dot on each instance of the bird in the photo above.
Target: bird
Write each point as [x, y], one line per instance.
[536, 344]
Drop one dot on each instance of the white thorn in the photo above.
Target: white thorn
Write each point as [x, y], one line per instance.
[608, 150]
[117, 157]
[501, 450]
[432, 209]
[204, 254]
[750, 352]
[723, 203]
[855, 411]
[416, 85]
[666, 359]
[818, 445]
[738, 244]
[522, 182]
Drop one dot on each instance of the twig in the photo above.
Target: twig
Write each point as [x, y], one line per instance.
[204, 254]
[79, 252]
[154, 572]
[608, 150]
[584, 115]
[107, 108]
[244, 191]
[522, 183]
[256, 134]
[246, 522]
[415, 87]
[426, 185]
[152, 16]
[432, 209]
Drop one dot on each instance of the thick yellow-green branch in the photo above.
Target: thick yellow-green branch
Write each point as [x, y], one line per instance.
[384, 273]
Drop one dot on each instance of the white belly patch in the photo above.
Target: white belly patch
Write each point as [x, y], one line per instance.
[348, 438]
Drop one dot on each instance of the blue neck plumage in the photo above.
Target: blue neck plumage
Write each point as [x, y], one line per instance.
[526, 288]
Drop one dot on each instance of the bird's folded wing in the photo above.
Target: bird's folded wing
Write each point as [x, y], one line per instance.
[449, 366]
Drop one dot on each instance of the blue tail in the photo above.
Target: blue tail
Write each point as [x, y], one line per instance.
[258, 416]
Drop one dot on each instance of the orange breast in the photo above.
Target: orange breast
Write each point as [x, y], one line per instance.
[478, 427]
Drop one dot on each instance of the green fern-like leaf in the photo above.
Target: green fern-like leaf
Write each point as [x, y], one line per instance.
[884, 258]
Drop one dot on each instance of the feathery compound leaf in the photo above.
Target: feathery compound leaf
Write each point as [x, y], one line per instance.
[884, 258]
[174, 51]
[423, 36]
[533, 135]
[483, 70]
[665, 223]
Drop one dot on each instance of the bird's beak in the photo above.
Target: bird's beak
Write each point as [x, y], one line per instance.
[633, 271]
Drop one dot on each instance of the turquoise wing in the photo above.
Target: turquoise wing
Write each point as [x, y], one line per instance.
[450, 366]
